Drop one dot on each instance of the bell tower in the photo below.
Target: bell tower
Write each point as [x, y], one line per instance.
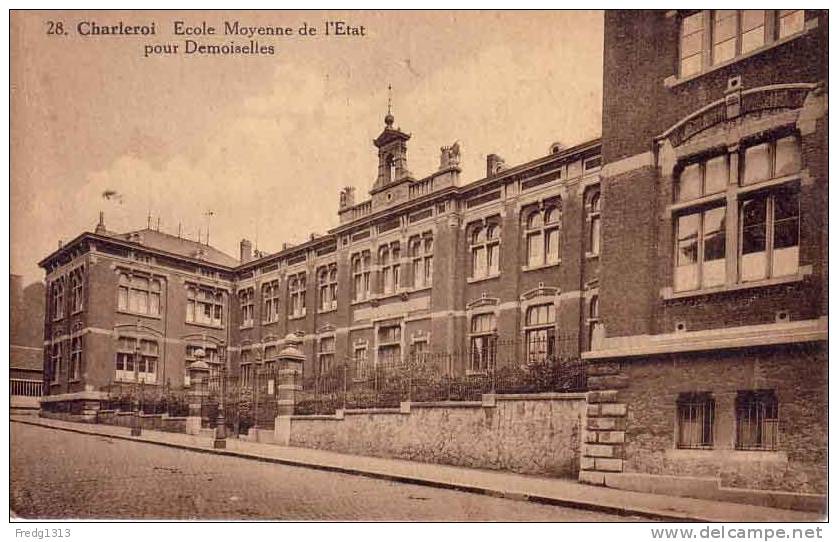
[392, 152]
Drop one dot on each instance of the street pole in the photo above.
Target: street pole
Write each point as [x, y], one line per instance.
[220, 428]
[136, 430]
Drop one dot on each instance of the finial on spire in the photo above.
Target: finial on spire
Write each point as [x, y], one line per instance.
[388, 120]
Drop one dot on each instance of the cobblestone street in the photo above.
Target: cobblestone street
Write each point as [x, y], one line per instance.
[57, 474]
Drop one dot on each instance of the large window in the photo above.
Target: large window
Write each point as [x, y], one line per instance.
[389, 262]
[57, 298]
[77, 290]
[540, 333]
[700, 261]
[246, 368]
[542, 236]
[421, 249]
[134, 364]
[361, 275]
[139, 294]
[485, 250]
[270, 302]
[713, 37]
[297, 295]
[760, 196]
[246, 307]
[390, 344]
[695, 420]
[75, 358]
[757, 419]
[204, 306]
[326, 354]
[327, 287]
[483, 342]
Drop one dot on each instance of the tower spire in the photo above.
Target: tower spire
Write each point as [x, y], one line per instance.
[388, 120]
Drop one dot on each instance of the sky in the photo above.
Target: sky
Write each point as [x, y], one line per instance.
[266, 142]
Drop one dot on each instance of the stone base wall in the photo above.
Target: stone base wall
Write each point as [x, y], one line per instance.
[633, 427]
[535, 434]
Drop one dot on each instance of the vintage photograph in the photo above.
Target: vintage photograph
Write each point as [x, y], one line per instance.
[419, 266]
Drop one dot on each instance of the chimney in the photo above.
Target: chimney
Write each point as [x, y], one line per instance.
[494, 165]
[245, 251]
[347, 197]
[100, 227]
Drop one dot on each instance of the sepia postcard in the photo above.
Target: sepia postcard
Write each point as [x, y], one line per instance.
[420, 266]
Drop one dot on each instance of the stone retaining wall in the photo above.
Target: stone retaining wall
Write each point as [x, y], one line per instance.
[535, 434]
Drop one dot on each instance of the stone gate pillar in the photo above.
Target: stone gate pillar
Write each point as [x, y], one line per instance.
[605, 432]
[290, 372]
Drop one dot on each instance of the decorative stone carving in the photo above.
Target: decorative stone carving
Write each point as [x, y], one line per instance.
[449, 156]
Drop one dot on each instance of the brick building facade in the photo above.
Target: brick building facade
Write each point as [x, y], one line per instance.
[715, 190]
[424, 265]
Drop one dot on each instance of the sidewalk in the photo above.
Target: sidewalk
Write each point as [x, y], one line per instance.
[552, 491]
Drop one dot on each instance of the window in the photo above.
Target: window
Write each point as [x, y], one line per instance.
[204, 306]
[419, 349]
[594, 223]
[390, 344]
[209, 354]
[388, 259]
[756, 420]
[361, 275]
[360, 357]
[327, 286]
[483, 342]
[297, 295]
[542, 236]
[485, 251]
[540, 333]
[77, 290]
[770, 235]
[135, 363]
[246, 368]
[270, 302]
[326, 354]
[55, 359]
[695, 420]
[246, 307]
[271, 355]
[595, 328]
[138, 294]
[709, 38]
[766, 217]
[701, 249]
[57, 299]
[75, 358]
[421, 250]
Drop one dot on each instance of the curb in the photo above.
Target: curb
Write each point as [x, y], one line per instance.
[671, 516]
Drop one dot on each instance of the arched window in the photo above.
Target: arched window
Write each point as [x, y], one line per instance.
[540, 333]
[297, 295]
[542, 236]
[55, 358]
[327, 283]
[420, 251]
[270, 302]
[77, 290]
[388, 259]
[391, 168]
[485, 251]
[361, 275]
[595, 329]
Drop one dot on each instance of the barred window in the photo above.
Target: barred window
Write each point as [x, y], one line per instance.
[757, 420]
[696, 413]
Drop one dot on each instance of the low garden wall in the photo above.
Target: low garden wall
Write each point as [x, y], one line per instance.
[527, 433]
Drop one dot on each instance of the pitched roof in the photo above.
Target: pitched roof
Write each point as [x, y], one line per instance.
[178, 245]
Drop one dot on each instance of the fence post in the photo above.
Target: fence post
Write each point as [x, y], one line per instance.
[290, 364]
